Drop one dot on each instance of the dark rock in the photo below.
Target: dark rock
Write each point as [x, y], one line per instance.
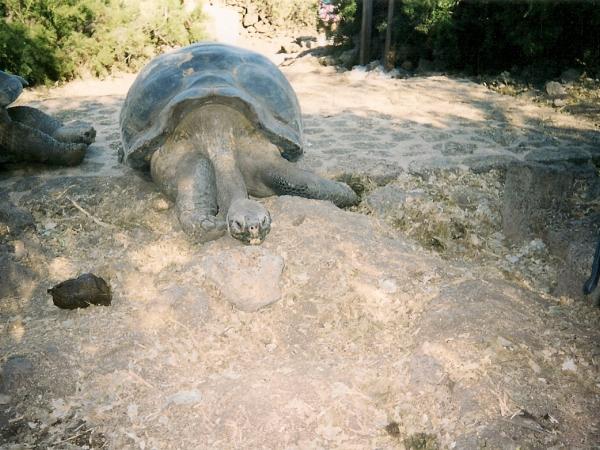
[81, 292]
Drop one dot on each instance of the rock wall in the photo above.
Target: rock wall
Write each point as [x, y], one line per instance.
[272, 17]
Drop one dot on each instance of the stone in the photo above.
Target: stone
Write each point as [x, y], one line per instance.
[248, 277]
[555, 90]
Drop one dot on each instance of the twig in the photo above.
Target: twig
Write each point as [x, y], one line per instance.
[74, 437]
[139, 379]
[94, 218]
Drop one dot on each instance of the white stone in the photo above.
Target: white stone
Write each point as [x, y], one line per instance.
[248, 277]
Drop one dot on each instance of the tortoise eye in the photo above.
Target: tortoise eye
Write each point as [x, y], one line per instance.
[238, 224]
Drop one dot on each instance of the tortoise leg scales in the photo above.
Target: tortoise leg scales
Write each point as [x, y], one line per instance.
[284, 178]
[23, 143]
[191, 182]
[74, 132]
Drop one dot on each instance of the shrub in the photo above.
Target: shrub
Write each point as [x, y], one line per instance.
[48, 40]
[485, 35]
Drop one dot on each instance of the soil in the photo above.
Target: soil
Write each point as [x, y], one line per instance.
[398, 325]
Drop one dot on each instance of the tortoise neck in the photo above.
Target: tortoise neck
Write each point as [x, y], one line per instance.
[216, 131]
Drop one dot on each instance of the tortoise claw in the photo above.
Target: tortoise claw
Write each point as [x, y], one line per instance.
[202, 228]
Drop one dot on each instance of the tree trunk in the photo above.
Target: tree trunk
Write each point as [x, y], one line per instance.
[387, 57]
[365, 32]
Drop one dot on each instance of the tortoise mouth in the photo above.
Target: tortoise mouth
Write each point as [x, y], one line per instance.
[248, 222]
[249, 237]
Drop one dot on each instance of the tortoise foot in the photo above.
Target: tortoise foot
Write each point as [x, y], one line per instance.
[76, 132]
[70, 155]
[202, 228]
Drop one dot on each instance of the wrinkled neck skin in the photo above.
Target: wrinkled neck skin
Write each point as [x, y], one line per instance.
[215, 131]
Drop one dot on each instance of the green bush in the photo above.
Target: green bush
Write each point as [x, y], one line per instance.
[48, 40]
[485, 35]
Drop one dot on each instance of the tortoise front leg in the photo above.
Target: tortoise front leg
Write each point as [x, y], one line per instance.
[190, 181]
[74, 132]
[19, 142]
[285, 178]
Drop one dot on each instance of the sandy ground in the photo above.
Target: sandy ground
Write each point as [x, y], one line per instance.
[375, 342]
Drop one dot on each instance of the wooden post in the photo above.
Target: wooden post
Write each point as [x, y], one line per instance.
[365, 32]
[387, 58]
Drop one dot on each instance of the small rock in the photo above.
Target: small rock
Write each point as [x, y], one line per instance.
[81, 292]
[504, 342]
[4, 399]
[388, 286]
[248, 277]
[569, 365]
[555, 89]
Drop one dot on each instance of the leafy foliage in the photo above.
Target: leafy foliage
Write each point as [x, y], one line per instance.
[45, 40]
[484, 35]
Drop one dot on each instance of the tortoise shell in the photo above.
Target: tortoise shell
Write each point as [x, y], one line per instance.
[208, 73]
[11, 87]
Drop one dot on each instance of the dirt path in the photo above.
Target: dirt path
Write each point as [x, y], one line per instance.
[374, 343]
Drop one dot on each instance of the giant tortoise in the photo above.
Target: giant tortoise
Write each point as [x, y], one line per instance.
[215, 123]
[28, 134]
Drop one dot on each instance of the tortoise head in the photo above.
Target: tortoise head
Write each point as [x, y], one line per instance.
[248, 221]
